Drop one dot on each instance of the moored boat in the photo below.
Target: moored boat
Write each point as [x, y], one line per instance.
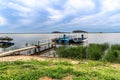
[69, 40]
[5, 42]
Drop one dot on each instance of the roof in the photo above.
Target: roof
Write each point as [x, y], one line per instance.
[79, 31]
[56, 32]
[6, 38]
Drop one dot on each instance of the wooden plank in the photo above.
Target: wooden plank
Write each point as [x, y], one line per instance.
[46, 44]
[17, 50]
[22, 49]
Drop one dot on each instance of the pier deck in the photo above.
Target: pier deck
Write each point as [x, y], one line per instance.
[45, 47]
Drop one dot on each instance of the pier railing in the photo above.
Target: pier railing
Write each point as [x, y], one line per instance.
[30, 50]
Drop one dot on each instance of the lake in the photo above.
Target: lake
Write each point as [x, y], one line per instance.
[20, 40]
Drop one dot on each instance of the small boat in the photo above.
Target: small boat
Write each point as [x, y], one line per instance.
[78, 40]
[69, 40]
[6, 38]
[5, 42]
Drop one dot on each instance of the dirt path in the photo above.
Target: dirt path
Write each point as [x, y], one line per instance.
[14, 58]
[24, 58]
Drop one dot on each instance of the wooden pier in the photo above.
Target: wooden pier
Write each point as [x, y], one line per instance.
[31, 50]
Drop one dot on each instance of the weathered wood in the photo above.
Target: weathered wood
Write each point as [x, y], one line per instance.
[17, 50]
[23, 49]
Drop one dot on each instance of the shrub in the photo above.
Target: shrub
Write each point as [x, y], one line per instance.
[62, 51]
[96, 51]
[93, 52]
[115, 47]
[113, 54]
[104, 46]
[72, 52]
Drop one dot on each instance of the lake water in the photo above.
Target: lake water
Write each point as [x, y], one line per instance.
[21, 39]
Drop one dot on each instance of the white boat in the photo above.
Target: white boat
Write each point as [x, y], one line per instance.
[79, 40]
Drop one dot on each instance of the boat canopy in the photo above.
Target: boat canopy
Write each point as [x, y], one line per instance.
[6, 38]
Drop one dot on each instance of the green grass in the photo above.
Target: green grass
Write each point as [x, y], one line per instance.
[101, 52]
[113, 54]
[71, 52]
[58, 69]
[96, 51]
[93, 51]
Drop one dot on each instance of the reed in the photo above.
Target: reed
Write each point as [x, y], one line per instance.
[96, 51]
[113, 54]
[72, 52]
[93, 51]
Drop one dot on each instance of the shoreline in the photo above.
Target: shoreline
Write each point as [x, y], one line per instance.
[22, 57]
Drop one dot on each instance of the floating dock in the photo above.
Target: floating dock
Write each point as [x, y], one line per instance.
[31, 50]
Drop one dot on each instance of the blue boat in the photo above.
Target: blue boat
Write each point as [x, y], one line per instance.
[68, 40]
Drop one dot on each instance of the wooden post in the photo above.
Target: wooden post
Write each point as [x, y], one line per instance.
[13, 54]
[52, 45]
[45, 47]
[55, 45]
[26, 44]
[48, 43]
[38, 48]
[29, 52]
[35, 50]
[38, 42]
[18, 52]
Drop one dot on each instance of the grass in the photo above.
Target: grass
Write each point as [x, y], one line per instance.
[58, 69]
[96, 51]
[72, 52]
[93, 51]
[113, 54]
[83, 68]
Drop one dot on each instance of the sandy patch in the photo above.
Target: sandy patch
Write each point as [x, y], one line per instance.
[65, 78]
[68, 78]
[117, 66]
[24, 58]
[45, 78]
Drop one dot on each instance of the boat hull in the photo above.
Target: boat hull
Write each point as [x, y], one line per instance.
[71, 41]
[6, 44]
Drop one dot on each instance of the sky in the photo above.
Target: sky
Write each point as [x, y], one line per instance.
[36, 16]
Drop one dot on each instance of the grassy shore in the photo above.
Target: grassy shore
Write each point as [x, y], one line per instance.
[58, 69]
[101, 52]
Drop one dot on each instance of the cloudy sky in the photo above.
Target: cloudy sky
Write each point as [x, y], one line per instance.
[21, 16]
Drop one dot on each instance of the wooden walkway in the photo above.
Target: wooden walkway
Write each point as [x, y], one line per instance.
[36, 48]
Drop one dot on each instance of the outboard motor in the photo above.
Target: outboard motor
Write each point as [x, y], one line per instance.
[64, 36]
[82, 36]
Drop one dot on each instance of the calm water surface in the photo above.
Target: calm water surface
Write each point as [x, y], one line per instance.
[21, 39]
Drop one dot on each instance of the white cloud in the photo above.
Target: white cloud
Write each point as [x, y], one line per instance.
[22, 10]
[25, 21]
[35, 3]
[114, 20]
[70, 8]
[88, 19]
[115, 17]
[55, 14]
[110, 5]
[29, 3]
[0, 2]
[62, 13]
[2, 20]
[104, 18]
[76, 5]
